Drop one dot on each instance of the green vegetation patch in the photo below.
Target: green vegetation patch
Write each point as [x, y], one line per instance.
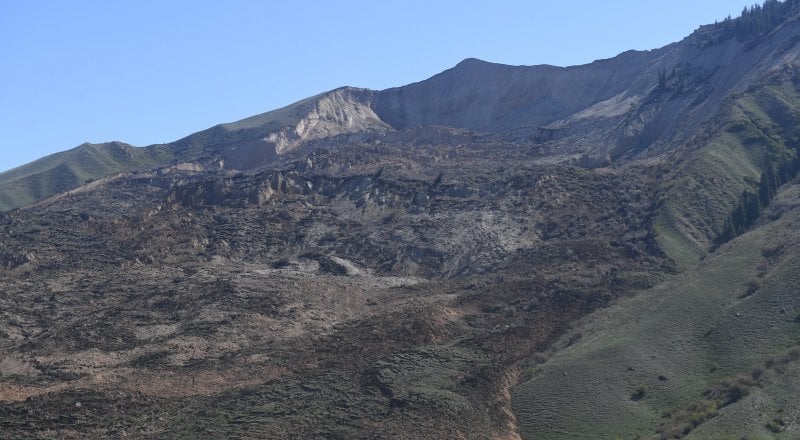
[69, 169]
[722, 187]
[685, 350]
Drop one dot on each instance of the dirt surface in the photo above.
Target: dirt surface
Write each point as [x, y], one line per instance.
[336, 297]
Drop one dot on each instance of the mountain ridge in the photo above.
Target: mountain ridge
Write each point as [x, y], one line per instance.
[571, 109]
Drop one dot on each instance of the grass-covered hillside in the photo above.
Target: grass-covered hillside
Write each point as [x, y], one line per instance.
[710, 354]
[756, 131]
[61, 171]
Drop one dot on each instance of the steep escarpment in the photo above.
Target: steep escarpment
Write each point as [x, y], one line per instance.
[638, 101]
[250, 143]
[260, 140]
[515, 96]
[341, 111]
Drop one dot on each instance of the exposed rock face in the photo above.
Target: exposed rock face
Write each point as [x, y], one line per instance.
[17, 260]
[269, 135]
[345, 110]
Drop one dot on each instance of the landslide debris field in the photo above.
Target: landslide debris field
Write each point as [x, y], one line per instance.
[276, 303]
[594, 252]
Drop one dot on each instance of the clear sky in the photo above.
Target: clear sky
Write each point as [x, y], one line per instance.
[147, 72]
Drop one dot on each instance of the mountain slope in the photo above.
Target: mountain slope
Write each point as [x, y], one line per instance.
[485, 97]
[602, 109]
[497, 252]
[594, 114]
[383, 295]
[245, 144]
[732, 315]
[61, 171]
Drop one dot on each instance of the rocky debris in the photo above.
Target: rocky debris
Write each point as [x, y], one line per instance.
[13, 261]
[359, 264]
[362, 295]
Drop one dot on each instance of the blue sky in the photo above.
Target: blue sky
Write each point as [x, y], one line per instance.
[147, 72]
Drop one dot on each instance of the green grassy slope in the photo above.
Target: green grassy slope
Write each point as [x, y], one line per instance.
[753, 130]
[677, 340]
[69, 169]
[62, 171]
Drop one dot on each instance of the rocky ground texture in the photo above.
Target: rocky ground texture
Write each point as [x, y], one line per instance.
[464, 257]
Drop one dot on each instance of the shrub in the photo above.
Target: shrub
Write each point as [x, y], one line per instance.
[790, 355]
[682, 422]
[752, 285]
[729, 390]
[771, 252]
[776, 425]
[725, 392]
[639, 392]
[282, 263]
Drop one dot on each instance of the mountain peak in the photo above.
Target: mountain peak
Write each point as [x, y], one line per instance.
[264, 137]
[471, 62]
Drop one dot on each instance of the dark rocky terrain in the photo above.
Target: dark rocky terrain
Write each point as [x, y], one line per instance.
[447, 259]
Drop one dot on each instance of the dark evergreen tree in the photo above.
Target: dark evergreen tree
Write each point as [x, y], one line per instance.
[662, 79]
[767, 186]
[752, 209]
[757, 20]
[751, 204]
